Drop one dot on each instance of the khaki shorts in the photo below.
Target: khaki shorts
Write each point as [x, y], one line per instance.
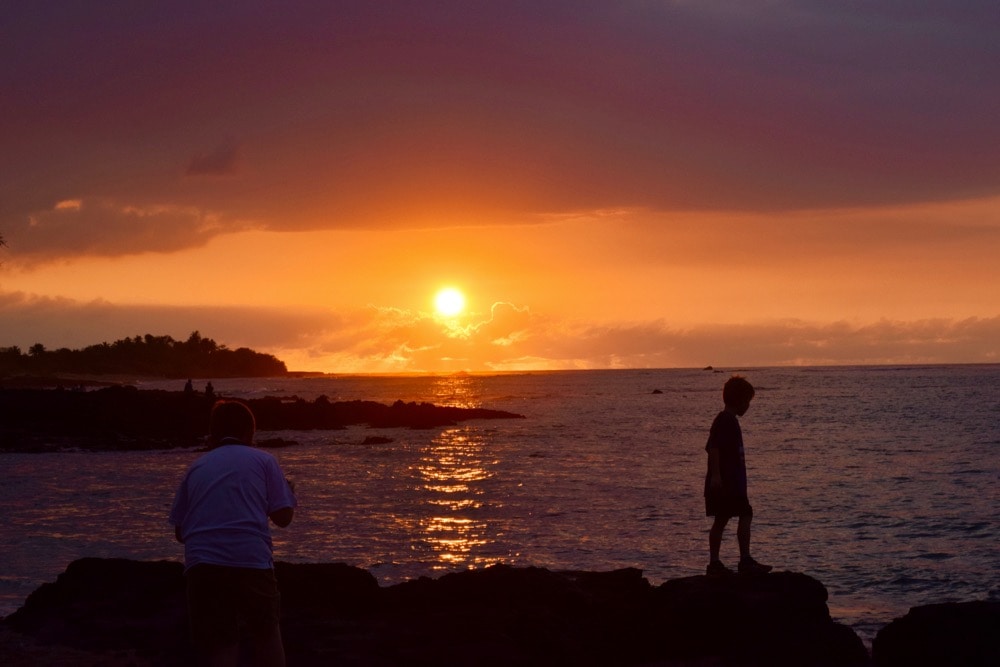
[227, 603]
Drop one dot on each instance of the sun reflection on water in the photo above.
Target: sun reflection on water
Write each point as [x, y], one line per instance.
[460, 391]
[451, 475]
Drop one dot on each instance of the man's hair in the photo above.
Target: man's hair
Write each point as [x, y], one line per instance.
[737, 390]
[231, 419]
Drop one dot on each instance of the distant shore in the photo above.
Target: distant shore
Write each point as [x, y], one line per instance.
[110, 416]
[67, 380]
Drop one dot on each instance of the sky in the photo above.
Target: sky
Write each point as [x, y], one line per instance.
[628, 184]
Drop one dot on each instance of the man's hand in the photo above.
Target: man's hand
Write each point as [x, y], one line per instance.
[282, 517]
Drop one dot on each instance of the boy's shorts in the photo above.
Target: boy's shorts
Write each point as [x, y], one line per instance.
[725, 506]
[226, 602]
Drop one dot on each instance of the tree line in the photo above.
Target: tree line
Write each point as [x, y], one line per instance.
[150, 356]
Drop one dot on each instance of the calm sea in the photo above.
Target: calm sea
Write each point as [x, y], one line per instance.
[881, 482]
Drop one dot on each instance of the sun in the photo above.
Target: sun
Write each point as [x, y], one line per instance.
[449, 302]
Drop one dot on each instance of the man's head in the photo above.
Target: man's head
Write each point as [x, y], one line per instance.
[231, 419]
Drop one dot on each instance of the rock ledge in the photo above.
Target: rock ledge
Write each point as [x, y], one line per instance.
[501, 615]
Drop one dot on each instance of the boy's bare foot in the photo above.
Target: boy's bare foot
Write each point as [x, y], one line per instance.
[717, 569]
[749, 566]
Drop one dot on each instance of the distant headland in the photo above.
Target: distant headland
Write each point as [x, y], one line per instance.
[141, 356]
[43, 409]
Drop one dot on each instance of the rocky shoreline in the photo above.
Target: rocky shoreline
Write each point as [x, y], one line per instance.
[121, 417]
[124, 612]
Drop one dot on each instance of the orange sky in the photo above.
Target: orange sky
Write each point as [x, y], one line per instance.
[641, 185]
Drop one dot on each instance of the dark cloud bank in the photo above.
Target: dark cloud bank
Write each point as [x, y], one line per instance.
[305, 114]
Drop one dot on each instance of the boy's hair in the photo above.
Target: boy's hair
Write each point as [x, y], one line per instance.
[737, 390]
[230, 419]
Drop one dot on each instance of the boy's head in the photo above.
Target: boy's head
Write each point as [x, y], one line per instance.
[737, 394]
[231, 419]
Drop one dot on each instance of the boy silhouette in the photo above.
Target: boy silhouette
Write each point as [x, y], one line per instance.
[726, 480]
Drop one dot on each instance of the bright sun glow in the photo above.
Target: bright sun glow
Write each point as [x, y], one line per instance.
[449, 302]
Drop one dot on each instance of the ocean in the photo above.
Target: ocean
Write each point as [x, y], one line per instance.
[880, 482]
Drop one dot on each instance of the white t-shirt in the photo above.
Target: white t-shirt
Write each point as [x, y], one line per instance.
[222, 507]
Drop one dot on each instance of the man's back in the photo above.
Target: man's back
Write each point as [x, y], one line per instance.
[222, 506]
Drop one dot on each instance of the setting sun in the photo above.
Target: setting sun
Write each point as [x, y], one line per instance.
[449, 302]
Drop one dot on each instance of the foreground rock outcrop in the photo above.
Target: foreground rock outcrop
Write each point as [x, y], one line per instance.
[339, 615]
[963, 634]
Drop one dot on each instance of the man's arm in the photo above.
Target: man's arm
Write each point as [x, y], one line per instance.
[177, 534]
[282, 517]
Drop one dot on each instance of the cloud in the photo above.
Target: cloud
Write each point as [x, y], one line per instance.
[806, 343]
[107, 228]
[385, 115]
[509, 338]
[60, 322]
[220, 162]
[397, 340]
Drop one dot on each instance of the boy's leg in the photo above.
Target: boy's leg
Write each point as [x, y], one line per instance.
[747, 564]
[715, 537]
[743, 535]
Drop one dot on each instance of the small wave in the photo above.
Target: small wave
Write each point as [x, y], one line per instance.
[905, 581]
[974, 527]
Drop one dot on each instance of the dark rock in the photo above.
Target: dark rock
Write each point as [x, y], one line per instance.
[274, 443]
[777, 619]
[501, 615]
[125, 418]
[959, 634]
[109, 605]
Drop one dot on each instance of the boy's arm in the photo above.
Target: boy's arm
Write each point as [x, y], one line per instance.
[714, 468]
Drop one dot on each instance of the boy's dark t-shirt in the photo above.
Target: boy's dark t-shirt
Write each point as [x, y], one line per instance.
[726, 436]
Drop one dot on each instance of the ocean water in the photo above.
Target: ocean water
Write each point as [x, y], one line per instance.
[881, 482]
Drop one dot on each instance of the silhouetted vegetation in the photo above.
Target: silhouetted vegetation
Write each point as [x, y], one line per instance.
[150, 356]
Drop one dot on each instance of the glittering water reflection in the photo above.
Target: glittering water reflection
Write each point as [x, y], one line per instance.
[452, 475]
[460, 391]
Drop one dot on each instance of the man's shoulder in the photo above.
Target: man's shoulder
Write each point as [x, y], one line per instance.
[249, 452]
[238, 452]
